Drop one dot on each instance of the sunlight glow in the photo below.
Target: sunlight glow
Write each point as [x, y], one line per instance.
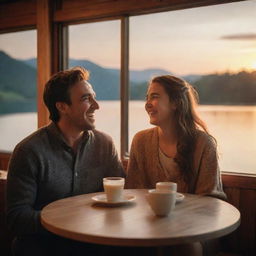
[254, 65]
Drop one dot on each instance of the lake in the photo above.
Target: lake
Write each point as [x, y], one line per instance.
[234, 127]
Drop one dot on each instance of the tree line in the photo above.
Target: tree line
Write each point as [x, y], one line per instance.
[216, 89]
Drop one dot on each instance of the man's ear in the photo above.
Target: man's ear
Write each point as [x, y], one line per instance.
[61, 106]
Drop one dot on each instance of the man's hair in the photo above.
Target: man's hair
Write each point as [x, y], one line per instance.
[57, 89]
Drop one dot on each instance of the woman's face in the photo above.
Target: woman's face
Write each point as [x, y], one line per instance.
[158, 105]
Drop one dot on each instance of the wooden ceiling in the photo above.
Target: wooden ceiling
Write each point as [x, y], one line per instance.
[21, 14]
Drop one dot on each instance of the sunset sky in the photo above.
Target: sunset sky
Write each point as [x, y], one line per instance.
[192, 41]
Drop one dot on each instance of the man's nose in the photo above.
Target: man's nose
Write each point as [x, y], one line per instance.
[96, 104]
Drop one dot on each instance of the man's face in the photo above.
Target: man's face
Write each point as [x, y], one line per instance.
[80, 113]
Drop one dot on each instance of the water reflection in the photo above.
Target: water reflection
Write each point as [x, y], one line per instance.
[234, 127]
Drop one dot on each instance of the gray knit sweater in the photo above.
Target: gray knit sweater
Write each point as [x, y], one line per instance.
[43, 168]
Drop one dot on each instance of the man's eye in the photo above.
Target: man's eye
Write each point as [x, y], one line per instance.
[87, 98]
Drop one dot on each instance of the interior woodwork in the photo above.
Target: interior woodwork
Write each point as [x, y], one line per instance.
[17, 15]
[48, 17]
[22, 14]
[44, 55]
[70, 10]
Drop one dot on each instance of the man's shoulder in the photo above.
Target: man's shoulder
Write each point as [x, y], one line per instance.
[35, 139]
[101, 136]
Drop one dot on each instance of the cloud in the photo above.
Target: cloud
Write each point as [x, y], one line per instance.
[249, 36]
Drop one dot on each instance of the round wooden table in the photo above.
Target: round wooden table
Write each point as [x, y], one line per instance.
[196, 218]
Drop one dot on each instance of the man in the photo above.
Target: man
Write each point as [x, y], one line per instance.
[68, 157]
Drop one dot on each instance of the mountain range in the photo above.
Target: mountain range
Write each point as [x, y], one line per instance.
[136, 76]
[18, 84]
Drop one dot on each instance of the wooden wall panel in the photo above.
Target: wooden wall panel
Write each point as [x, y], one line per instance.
[5, 236]
[243, 240]
[233, 195]
[247, 233]
[4, 160]
[236, 180]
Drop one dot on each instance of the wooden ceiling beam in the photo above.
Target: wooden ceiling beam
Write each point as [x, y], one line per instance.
[22, 14]
[17, 15]
[75, 10]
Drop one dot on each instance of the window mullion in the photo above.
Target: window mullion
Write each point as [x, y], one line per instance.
[124, 88]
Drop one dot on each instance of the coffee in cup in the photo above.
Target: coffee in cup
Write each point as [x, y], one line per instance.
[162, 202]
[171, 186]
[113, 187]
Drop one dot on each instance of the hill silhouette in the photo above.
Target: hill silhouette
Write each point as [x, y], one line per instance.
[18, 84]
[217, 89]
[227, 88]
[106, 81]
[139, 76]
[17, 76]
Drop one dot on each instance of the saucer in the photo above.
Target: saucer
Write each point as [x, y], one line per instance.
[102, 199]
[179, 197]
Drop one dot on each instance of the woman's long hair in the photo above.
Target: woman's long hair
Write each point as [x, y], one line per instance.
[184, 96]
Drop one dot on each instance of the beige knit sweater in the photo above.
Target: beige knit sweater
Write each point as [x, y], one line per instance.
[145, 170]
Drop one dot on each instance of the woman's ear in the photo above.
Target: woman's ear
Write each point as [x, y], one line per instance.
[173, 106]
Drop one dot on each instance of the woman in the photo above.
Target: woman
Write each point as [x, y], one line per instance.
[179, 148]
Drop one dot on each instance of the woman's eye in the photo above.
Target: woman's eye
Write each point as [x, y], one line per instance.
[151, 97]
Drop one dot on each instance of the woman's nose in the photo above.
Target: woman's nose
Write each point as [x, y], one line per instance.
[148, 104]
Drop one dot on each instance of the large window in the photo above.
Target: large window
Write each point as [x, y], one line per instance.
[211, 47]
[96, 47]
[18, 116]
[214, 48]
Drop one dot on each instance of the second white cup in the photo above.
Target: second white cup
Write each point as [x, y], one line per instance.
[162, 202]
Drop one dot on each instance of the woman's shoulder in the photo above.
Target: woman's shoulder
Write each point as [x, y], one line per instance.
[144, 134]
[145, 141]
[205, 139]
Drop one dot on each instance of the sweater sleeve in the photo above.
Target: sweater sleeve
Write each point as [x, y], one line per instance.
[134, 174]
[22, 218]
[209, 178]
[115, 166]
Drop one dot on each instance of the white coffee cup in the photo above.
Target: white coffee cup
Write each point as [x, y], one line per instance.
[113, 187]
[171, 186]
[162, 202]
